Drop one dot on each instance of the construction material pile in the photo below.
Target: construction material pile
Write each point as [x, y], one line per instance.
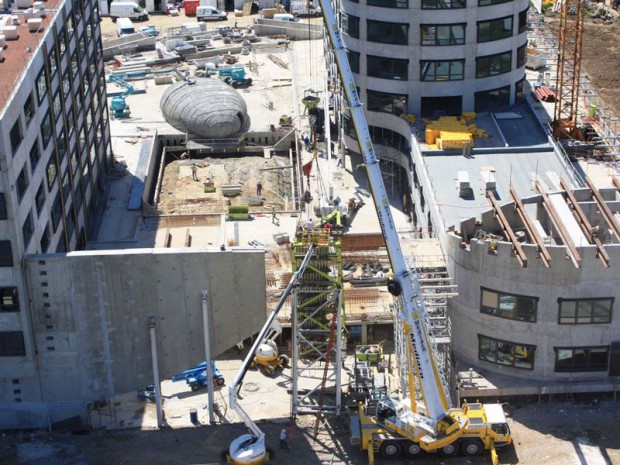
[451, 133]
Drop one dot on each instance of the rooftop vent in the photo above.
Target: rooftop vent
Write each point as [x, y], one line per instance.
[2, 40]
[489, 180]
[463, 183]
[14, 20]
[35, 24]
[23, 3]
[10, 32]
[1, 54]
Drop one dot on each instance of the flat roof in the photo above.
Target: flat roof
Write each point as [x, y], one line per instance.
[18, 53]
[507, 168]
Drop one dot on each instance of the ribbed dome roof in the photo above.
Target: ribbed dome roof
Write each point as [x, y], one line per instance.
[207, 108]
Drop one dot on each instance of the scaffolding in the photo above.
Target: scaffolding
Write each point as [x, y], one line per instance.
[430, 276]
[317, 300]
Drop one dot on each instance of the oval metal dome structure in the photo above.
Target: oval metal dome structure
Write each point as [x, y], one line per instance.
[207, 108]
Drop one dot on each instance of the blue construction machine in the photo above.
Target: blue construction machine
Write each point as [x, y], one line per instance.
[118, 105]
[196, 377]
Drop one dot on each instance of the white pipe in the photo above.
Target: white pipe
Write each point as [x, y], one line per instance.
[207, 339]
[155, 371]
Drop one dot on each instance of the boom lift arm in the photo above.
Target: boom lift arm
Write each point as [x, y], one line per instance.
[249, 449]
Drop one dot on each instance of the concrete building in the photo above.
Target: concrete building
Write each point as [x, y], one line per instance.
[546, 320]
[436, 56]
[54, 146]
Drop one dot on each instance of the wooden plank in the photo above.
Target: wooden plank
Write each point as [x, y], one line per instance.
[609, 217]
[543, 253]
[499, 215]
[557, 221]
[586, 227]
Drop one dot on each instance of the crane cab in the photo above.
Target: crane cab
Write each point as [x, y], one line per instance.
[247, 449]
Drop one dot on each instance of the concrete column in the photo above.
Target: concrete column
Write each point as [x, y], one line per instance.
[151, 321]
[364, 333]
[207, 338]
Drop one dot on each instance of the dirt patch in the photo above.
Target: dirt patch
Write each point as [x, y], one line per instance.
[182, 193]
[600, 56]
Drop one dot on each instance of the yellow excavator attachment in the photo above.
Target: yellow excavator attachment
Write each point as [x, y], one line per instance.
[494, 457]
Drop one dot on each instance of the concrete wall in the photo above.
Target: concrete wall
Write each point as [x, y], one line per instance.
[475, 267]
[90, 313]
[415, 16]
[298, 31]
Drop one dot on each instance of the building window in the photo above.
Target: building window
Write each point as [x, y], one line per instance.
[57, 106]
[442, 4]
[492, 65]
[488, 99]
[492, 2]
[16, 136]
[27, 229]
[520, 90]
[585, 311]
[45, 239]
[389, 3]
[40, 198]
[523, 21]
[354, 60]
[4, 214]
[6, 254]
[389, 138]
[9, 301]
[46, 130]
[52, 172]
[387, 68]
[53, 62]
[578, 359]
[21, 184]
[387, 33]
[506, 353]
[522, 55]
[35, 155]
[351, 26]
[56, 212]
[29, 109]
[494, 29]
[62, 43]
[387, 103]
[12, 344]
[451, 70]
[66, 84]
[41, 84]
[348, 127]
[443, 34]
[511, 306]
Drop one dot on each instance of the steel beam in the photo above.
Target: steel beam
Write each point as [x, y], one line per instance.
[499, 215]
[605, 211]
[543, 253]
[557, 221]
[584, 223]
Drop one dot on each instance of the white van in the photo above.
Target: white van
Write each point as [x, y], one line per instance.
[127, 10]
[208, 12]
[286, 17]
[124, 27]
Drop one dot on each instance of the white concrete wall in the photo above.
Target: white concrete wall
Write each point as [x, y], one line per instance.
[475, 267]
[91, 310]
[414, 52]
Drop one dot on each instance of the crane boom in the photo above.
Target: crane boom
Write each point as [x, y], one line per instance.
[404, 283]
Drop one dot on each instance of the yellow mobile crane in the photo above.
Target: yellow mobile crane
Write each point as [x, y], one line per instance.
[396, 425]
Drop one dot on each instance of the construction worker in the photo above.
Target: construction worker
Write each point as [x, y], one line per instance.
[283, 443]
[195, 172]
[259, 188]
[274, 218]
[307, 143]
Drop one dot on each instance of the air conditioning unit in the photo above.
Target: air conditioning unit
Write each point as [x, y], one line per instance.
[14, 20]
[463, 182]
[489, 180]
[35, 24]
[23, 3]
[10, 32]
[2, 41]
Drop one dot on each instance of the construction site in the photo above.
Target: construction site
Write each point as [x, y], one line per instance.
[278, 277]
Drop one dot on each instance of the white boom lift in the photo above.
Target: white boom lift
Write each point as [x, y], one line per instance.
[249, 449]
[397, 426]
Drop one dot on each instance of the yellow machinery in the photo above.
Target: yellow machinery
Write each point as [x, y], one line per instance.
[400, 425]
[267, 356]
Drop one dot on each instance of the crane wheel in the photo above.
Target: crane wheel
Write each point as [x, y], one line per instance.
[474, 447]
[268, 370]
[412, 450]
[219, 381]
[195, 386]
[284, 360]
[390, 449]
[451, 450]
